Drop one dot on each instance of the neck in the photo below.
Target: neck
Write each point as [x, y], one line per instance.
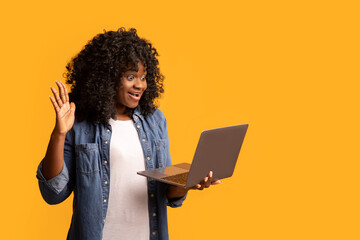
[122, 117]
[122, 113]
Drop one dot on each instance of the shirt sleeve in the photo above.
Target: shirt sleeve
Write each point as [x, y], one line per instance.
[175, 202]
[58, 188]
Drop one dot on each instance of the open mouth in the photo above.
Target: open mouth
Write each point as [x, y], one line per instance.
[135, 94]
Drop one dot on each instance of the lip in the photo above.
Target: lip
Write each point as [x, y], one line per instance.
[135, 97]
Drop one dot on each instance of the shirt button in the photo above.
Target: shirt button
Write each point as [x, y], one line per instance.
[154, 214]
[105, 162]
[105, 182]
[148, 158]
[107, 130]
[138, 126]
[104, 200]
[106, 142]
[154, 233]
[143, 140]
[104, 220]
[152, 195]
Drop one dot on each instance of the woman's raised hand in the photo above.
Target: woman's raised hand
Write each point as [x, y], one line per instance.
[65, 111]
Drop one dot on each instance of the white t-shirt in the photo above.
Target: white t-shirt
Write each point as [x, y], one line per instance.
[127, 215]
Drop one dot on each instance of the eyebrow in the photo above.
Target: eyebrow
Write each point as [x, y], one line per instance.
[134, 70]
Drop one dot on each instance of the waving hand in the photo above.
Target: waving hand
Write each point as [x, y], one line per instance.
[65, 111]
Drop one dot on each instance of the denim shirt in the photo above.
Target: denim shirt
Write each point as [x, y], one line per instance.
[86, 172]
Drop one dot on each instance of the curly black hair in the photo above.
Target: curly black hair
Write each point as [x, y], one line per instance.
[96, 71]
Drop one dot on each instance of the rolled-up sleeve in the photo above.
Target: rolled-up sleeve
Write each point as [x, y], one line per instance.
[55, 184]
[176, 202]
[58, 188]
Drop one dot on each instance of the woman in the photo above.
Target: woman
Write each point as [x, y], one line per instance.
[116, 128]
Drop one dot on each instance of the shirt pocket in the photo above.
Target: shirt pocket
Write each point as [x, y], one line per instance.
[161, 152]
[87, 158]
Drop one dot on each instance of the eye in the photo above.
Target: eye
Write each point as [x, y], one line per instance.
[130, 77]
[143, 78]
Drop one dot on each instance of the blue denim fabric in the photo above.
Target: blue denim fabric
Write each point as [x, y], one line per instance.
[87, 167]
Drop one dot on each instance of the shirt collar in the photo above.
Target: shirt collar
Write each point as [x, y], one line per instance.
[137, 113]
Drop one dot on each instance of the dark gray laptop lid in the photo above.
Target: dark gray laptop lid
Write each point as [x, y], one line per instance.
[217, 151]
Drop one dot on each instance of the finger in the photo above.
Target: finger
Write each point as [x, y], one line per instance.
[202, 183]
[200, 187]
[54, 103]
[61, 91]
[206, 182]
[57, 98]
[216, 182]
[197, 187]
[66, 93]
[208, 179]
[72, 107]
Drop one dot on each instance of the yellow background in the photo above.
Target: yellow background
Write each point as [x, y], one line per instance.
[288, 68]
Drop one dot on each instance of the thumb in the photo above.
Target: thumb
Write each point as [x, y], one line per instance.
[72, 107]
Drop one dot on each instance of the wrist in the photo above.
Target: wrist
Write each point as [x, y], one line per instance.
[176, 192]
[58, 134]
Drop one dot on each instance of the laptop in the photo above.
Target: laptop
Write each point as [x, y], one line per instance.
[217, 151]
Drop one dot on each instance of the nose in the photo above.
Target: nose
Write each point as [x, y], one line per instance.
[139, 84]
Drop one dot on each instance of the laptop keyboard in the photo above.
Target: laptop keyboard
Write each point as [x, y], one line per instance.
[179, 178]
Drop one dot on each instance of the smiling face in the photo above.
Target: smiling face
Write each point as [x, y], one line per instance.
[133, 85]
